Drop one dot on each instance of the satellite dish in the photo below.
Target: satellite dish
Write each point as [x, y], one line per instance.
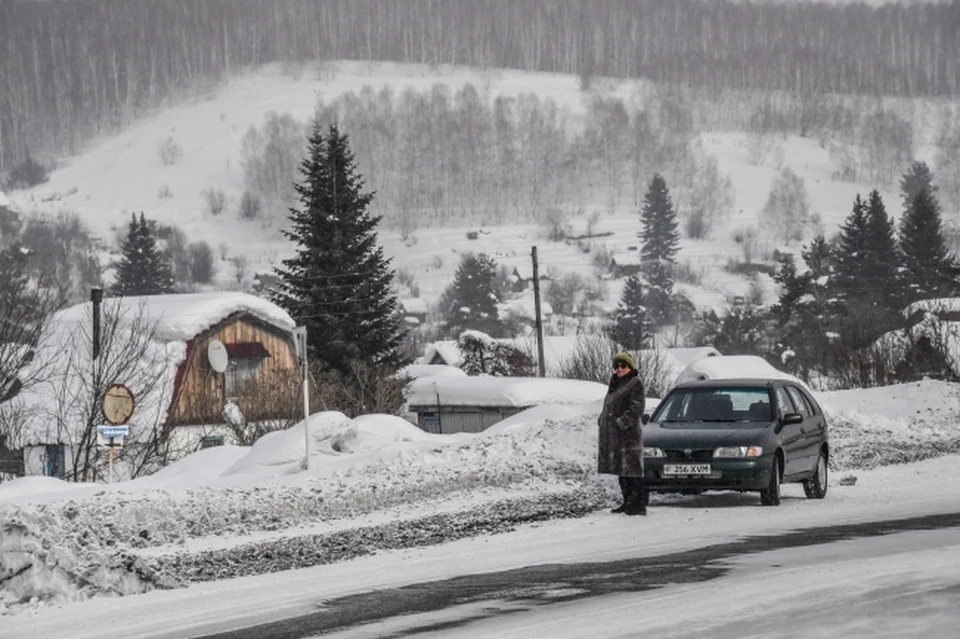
[217, 355]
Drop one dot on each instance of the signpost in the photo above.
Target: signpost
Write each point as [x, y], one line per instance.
[300, 343]
[117, 408]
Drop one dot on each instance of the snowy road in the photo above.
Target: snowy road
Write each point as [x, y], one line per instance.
[856, 580]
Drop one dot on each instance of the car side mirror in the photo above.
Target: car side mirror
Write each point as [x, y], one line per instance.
[644, 418]
[791, 418]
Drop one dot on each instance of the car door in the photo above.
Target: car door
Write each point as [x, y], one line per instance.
[791, 435]
[814, 426]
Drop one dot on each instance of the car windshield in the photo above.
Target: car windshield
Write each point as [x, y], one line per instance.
[715, 404]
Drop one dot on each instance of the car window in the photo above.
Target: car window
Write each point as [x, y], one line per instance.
[798, 400]
[715, 404]
[784, 405]
[812, 408]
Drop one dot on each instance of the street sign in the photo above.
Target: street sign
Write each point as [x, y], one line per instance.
[109, 432]
[118, 404]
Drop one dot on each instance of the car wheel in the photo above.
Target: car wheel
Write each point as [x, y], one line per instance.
[770, 496]
[816, 486]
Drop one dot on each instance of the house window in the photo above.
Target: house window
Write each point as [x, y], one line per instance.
[212, 440]
[240, 378]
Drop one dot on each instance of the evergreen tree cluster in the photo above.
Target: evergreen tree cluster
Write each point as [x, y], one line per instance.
[855, 288]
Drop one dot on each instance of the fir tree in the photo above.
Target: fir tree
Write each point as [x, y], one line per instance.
[792, 289]
[806, 313]
[659, 293]
[917, 178]
[881, 281]
[338, 284]
[851, 247]
[471, 301]
[661, 239]
[142, 268]
[631, 322]
[929, 269]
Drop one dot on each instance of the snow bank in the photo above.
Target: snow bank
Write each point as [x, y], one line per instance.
[374, 482]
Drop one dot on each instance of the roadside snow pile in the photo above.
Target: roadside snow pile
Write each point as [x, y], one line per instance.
[403, 494]
[888, 425]
[374, 483]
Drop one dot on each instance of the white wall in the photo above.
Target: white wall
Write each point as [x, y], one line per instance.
[35, 460]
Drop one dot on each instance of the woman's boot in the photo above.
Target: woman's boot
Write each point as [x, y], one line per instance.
[625, 489]
[639, 496]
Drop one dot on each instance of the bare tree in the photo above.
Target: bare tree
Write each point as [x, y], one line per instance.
[66, 406]
[788, 207]
[26, 306]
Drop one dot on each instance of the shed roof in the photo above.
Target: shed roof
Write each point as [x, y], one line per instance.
[501, 391]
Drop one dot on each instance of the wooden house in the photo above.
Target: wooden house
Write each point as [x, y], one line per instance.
[182, 396]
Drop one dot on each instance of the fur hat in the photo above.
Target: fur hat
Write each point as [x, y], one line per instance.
[627, 359]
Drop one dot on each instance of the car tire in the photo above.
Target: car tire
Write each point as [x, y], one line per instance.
[770, 496]
[816, 486]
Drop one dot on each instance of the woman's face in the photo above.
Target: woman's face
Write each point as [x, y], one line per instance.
[620, 369]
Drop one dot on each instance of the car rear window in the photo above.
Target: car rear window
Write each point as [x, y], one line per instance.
[715, 404]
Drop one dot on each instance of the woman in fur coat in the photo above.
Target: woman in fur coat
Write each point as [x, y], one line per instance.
[620, 441]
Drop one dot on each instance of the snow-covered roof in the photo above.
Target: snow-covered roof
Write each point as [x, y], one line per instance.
[182, 316]
[415, 371]
[733, 367]
[502, 391]
[524, 305]
[557, 349]
[686, 355]
[447, 350]
[413, 305]
[944, 335]
[937, 305]
[627, 258]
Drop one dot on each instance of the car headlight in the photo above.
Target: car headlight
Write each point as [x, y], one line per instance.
[738, 451]
[650, 451]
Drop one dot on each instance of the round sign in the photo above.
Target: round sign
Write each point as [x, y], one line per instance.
[118, 404]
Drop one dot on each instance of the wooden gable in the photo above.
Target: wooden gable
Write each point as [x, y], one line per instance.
[270, 390]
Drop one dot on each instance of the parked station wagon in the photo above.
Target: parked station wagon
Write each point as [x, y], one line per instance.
[737, 434]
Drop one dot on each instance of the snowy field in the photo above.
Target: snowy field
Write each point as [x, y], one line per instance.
[379, 489]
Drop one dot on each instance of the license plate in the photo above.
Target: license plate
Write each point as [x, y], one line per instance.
[686, 469]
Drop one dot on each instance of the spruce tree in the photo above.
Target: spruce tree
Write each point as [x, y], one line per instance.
[792, 289]
[471, 301]
[631, 322]
[917, 178]
[142, 268]
[881, 282]
[929, 269]
[851, 248]
[659, 292]
[338, 284]
[661, 239]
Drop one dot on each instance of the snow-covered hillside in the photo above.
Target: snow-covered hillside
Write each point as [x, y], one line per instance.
[120, 174]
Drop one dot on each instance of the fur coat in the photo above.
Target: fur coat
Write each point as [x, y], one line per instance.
[620, 442]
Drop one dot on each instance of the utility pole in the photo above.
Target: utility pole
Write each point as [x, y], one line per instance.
[96, 298]
[536, 307]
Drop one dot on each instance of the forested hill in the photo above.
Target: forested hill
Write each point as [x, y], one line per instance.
[71, 67]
